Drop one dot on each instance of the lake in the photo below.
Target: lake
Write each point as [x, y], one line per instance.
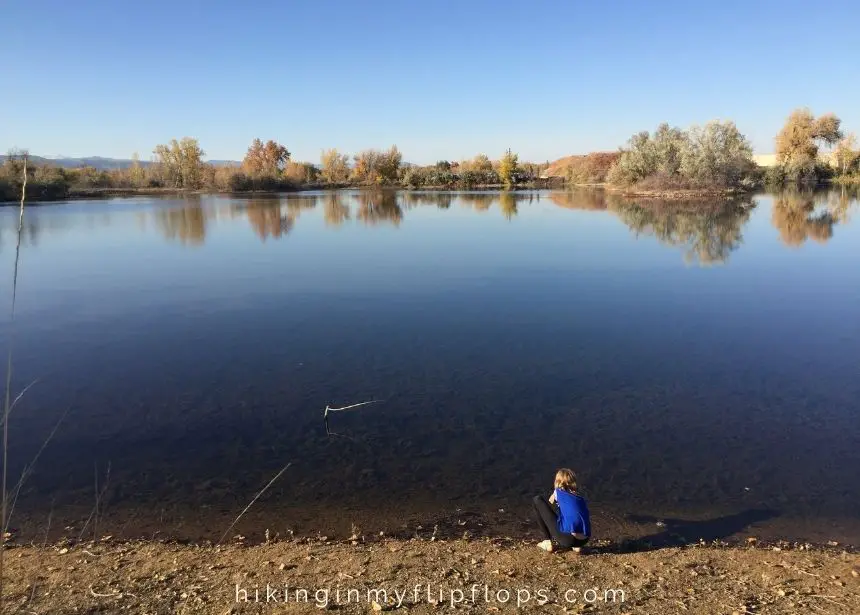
[696, 365]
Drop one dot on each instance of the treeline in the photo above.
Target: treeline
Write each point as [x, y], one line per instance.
[267, 166]
[717, 157]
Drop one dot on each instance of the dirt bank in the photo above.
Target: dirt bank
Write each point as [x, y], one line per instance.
[477, 575]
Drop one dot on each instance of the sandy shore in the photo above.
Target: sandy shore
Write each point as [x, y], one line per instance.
[426, 576]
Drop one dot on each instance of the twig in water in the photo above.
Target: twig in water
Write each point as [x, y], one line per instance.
[251, 503]
[350, 407]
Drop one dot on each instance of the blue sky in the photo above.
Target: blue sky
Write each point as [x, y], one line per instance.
[440, 79]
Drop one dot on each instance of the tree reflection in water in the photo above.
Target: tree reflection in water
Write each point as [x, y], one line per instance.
[378, 207]
[185, 224]
[707, 231]
[335, 212]
[803, 215]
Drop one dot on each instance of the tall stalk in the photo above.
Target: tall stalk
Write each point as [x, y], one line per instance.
[7, 403]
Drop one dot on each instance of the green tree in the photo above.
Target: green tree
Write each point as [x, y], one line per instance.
[716, 155]
[508, 167]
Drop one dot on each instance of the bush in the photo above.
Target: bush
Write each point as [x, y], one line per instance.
[714, 156]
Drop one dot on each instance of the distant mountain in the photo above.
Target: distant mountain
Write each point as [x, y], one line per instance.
[106, 164]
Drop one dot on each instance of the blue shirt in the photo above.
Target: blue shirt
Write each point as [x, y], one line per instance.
[573, 517]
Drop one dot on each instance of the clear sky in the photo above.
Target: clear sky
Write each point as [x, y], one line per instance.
[441, 79]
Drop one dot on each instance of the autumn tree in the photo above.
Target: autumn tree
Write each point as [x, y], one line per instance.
[389, 165]
[301, 172]
[180, 163]
[335, 166]
[479, 164]
[845, 155]
[365, 166]
[376, 167]
[136, 174]
[265, 159]
[508, 167]
[798, 142]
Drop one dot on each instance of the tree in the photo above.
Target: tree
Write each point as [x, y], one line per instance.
[827, 129]
[265, 159]
[508, 167]
[376, 167]
[797, 143]
[301, 172]
[366, 166]
[389, 165]
[180, 163]
[666, 148]
[479, 164]
[648, 155]
[136, 174]
[844, 155]
[335, 166]
[716, 155]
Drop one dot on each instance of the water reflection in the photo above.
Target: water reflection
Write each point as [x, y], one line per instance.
[707, 233]
[378, 207]
[186, 224]
[275, 218]
[800, 216]
[335, 211]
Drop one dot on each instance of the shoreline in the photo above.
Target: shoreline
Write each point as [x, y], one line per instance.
[374, 573]
[620, 529]
[108, 193]
[549, 184]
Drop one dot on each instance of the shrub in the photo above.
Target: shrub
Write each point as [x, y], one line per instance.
[716, 155]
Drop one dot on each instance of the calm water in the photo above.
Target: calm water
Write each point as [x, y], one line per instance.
[688, 365]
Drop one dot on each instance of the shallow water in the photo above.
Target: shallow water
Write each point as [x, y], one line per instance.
[687, 363]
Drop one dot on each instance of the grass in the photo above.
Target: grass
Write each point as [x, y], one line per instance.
[8, 404]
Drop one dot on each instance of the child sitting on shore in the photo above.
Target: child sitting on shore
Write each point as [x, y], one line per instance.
[563, 519]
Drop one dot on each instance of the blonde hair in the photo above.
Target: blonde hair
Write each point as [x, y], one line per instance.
[565, 480]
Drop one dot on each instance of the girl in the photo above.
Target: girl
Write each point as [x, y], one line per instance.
[563, 519]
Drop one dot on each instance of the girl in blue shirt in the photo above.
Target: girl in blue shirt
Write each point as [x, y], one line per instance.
[563, 519]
